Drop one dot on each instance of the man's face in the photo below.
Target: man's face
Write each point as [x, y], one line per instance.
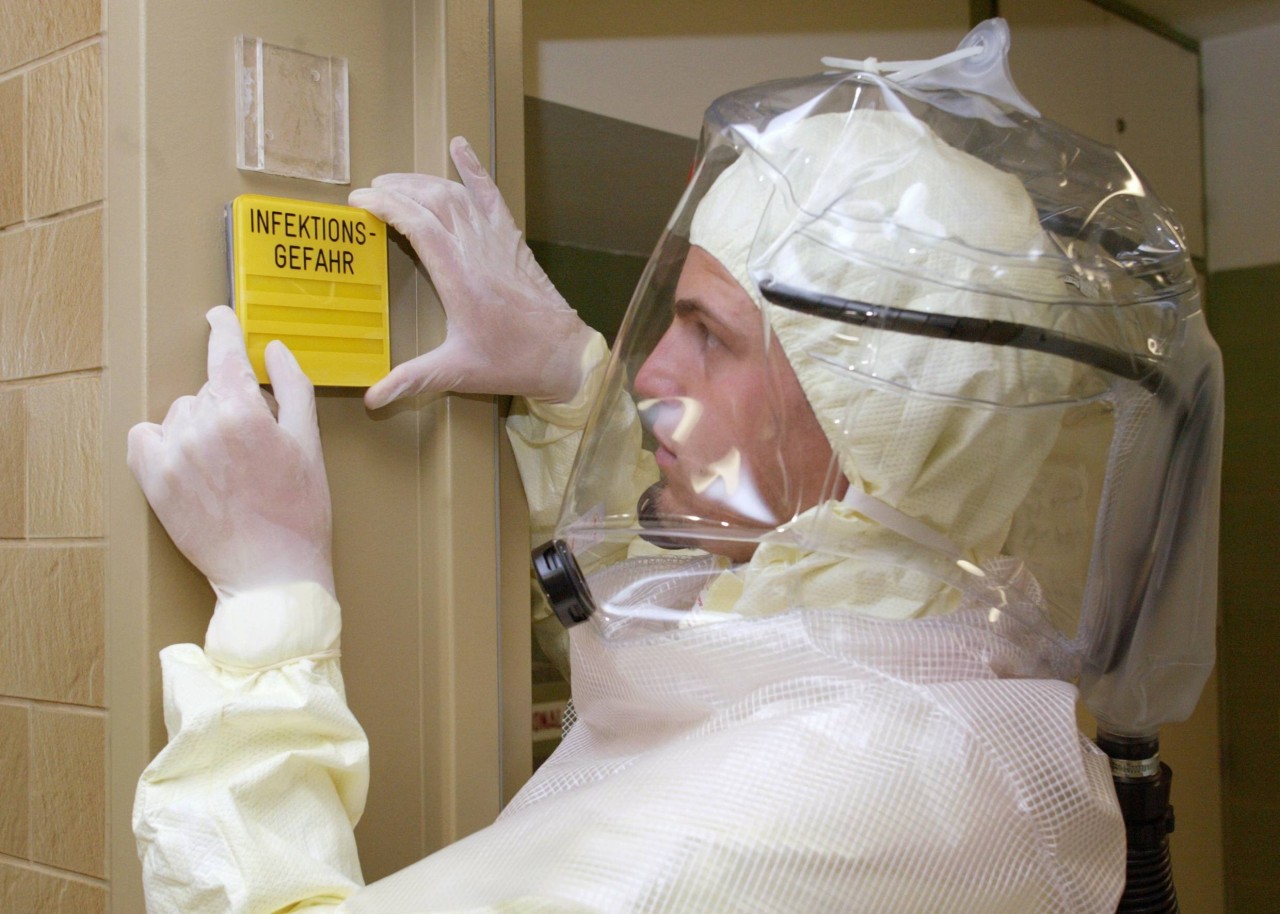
[737, 440]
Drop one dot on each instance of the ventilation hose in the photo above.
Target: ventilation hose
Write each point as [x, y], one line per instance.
[1142, 784]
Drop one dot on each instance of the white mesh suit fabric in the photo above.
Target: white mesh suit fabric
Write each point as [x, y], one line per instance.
[808, 762]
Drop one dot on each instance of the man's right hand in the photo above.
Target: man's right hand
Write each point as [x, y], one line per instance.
[242, 493]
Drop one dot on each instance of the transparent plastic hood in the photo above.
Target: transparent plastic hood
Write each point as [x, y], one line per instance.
[909, 351]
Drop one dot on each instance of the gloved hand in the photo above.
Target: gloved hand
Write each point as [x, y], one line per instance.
[509, 331]
[242, 493]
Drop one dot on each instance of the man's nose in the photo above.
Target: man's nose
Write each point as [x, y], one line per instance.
[658, 377]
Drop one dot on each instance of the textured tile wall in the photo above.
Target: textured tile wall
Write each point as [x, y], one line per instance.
[52, 536]
[12, 150]
[64, 132]
[25, 890]
[51, 614]
[51, 287]
[64, 458]
[29, 31]
[13, 463]
[68, 790]
[15, 815]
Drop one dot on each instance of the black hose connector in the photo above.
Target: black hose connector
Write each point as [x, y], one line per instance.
[561, 579]
[1142, 785]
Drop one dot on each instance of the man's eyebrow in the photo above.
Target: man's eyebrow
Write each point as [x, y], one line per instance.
[684, 307]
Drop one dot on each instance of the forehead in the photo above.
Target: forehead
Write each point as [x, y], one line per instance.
[706, 283]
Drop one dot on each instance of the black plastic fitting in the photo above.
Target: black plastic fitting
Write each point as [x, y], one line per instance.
[561, 580]
[1143, 785]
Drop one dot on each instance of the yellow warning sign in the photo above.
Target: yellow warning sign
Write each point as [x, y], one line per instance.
[314, 276]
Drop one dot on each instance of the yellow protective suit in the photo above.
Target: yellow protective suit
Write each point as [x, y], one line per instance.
[819, 761]
[251, 806]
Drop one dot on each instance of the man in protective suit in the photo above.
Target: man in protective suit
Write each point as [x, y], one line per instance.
[832, 601]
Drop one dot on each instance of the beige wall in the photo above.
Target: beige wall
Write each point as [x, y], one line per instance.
[658, 63]
[1242, 133]
[53, 709]
[1130, 88]
[414, 494]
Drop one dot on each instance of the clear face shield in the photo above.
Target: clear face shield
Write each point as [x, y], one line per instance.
[908, 351]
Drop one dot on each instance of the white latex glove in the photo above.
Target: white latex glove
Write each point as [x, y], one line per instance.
[242, 493]
[509, 331]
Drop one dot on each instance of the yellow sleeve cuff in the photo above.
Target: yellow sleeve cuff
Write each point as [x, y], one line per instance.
[573, 414]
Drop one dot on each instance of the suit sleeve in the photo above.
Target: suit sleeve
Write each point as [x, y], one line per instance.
[251, 806]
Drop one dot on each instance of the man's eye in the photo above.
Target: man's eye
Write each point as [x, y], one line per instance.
[706, 336]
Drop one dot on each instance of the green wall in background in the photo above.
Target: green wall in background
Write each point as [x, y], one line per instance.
[1244, 315]
[598, 194]
[598, 284]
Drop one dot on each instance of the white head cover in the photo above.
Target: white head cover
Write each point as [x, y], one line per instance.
[961, 471]
[946, 469]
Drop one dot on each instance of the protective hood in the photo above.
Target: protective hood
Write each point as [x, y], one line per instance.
[898, 354]
[912, 422]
